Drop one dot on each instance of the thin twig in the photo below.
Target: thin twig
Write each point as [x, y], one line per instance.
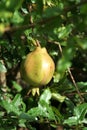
[70, 73]
[73, 80]
[73, 93]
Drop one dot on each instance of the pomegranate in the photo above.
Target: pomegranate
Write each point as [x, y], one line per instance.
[38, 67]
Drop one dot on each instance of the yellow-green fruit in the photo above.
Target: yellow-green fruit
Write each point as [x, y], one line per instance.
[38, 67]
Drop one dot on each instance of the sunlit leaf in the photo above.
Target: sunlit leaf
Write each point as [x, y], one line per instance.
[82, 42]
[12, 106]
[63, 32]
[71, 121]
[43, 109]
[46, 96]
[58, 97]
[79, 115]
[6, 14]
[80, 111]
[17, 18]
[17, 86]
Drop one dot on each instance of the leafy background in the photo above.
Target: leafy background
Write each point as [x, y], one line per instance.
[61, 27]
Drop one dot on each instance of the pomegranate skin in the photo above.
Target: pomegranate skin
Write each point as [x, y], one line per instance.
[38, 67]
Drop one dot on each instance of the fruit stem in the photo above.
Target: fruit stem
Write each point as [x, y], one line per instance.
[37, 43]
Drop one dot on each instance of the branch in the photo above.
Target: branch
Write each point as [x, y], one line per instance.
[77, 89]
[43, 21]
[24, 27]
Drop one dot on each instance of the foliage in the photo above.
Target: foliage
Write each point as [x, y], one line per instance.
[61, 27]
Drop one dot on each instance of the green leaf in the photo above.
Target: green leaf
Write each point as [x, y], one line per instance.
[17, 86]
[17, 100]
[63, 31]
[85, 128]
[83, 9]
[58, 97]
[13, 4]
[46, 96]
[63, 64]
[82, 86]
[55, 11]
[58, 115]
[14, 105]
[22, 123]
[80, 111]
[82, 42]
[71, 121]
[6, 104]
[37, 112]
[70, 105]
[17, 18]
[27, 116]
[5, 14]
[44, 109]
[44, 105]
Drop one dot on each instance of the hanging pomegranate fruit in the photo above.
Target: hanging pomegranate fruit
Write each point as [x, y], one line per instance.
[38, 67]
